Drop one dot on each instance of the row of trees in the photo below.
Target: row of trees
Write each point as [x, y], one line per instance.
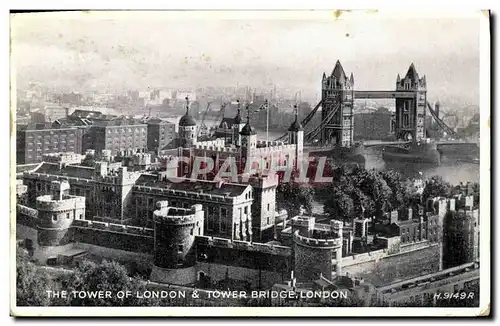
[356, 192]
[33, 282]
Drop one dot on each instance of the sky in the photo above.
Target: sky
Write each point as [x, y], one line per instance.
[188, 50]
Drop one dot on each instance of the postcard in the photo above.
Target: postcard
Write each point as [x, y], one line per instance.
[250, 163]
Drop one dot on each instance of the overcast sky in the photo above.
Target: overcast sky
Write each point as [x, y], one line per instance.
[91, 52]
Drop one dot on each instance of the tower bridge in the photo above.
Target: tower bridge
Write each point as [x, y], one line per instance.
[337, 111]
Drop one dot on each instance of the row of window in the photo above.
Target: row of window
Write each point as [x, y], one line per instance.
[126, 130]
[55, 218]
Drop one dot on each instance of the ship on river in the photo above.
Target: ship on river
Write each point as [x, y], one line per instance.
[425, 152]
[459, 151]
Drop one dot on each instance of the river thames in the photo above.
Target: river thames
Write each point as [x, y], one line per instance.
[452, 171]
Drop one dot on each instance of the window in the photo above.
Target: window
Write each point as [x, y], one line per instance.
[67, 216]
[81, 216]
[268, 207]
[180, 248]
[246, 210]
[54, 218]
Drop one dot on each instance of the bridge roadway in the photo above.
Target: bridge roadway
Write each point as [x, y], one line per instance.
[372, 143]
[383, 94]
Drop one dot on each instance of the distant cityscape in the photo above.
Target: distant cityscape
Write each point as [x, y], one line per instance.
[185, 189]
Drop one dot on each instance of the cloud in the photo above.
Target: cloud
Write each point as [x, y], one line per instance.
[137, 53]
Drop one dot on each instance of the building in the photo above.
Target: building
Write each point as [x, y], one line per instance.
[63, 158]
[461, 233]
[161, 134]
[119, 135]
[182, 254]
[107, 188]
[229, 129]
[410, 112]
[249, 154]
[434, 290]
[337, 108]
[227, 206]
[32, 144]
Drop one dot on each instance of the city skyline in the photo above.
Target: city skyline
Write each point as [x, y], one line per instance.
[91, 52]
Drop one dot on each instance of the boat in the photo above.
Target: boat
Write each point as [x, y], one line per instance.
[338, 155]
[416, 152]
[459, 151]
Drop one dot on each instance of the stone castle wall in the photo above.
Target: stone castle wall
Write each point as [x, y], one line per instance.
[386, 268]
[114, 236]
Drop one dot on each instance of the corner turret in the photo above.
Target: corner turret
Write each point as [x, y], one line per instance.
[187, 129]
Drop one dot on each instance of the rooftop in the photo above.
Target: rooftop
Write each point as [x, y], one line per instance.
[192, 185]
[75, 171]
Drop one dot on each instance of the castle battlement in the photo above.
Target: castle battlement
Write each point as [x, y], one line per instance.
[269, 143]
[274, 149]
[219, 149]
[112, 227]
[68, 202]
[244, 245]
[174, 216]
[186, 194]
[51, 177]
[320, 243]
[364, 257]
[26, 211]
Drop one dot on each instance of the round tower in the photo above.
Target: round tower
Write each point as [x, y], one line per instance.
[56, 213]
[175, 230]
[187, 129]
[317, 252]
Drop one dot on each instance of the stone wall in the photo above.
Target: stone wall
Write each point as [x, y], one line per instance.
[382, 268]
[243, 254]
[114, 236]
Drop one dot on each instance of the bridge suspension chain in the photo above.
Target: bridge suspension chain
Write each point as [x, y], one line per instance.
[315, 132]
[440, 122]
[305, 121]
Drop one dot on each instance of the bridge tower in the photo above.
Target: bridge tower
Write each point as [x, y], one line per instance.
[337, 94]
[410, 111]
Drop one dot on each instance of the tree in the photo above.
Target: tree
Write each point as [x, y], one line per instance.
[293, 197]
[340, 205]
[401, 195]
[89, 161]
[436, 187]
[31, 283]
[106, 276]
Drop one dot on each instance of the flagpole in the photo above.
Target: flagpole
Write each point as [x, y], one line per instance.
[267, 124]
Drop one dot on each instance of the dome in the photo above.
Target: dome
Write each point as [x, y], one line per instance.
[187, 121]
